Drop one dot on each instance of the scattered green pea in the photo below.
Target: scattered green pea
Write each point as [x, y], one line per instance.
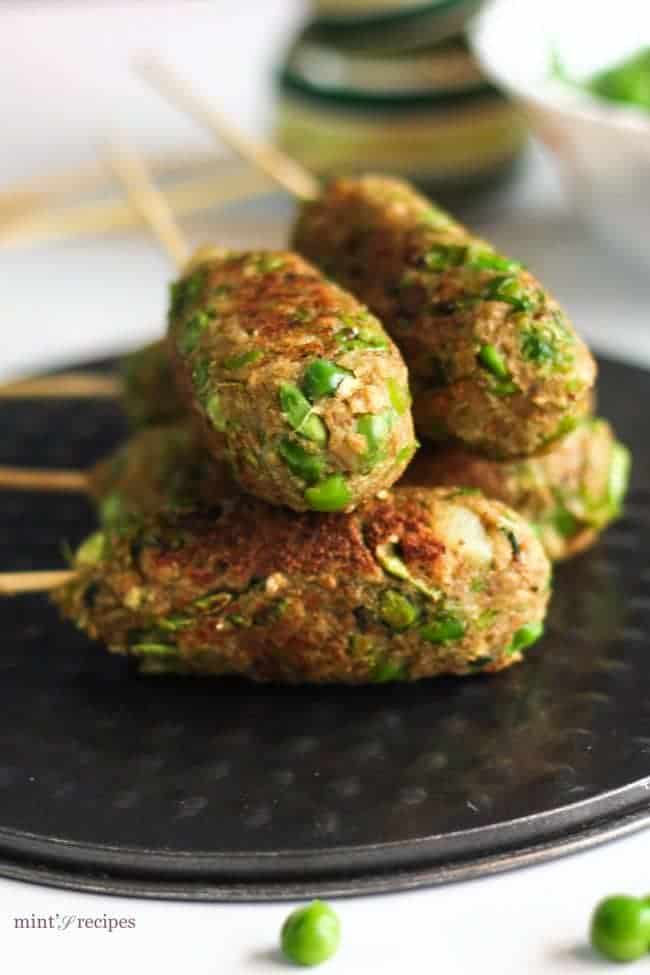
[172, 624]
[185, 291]
[525, 636]
[618, 476]
[111, 508]
[566, 425]
[539, 345]
[358, 336]
[154, 649]
[434, 217]
[243, 359]
[311, 934]
[509, 290]
[390, 561]
[443, 628]
[294, 404]
[620, 928]
[388, 671]
[441, 257]
[215, 413]
[487, 260]
[302, 315]
[298, 413]
[192, 331]
[399, 396]
[564, 522]
[504, 387]
[236, 619]
[309, 467]
[322, 378]
[265, 263]
[492, 360]
[396, 610]
[213, 602]
[200, 376]
[487, 618]
[406, 452]
[91, 550]
[575, 385]
[332, 494]
[375, 427]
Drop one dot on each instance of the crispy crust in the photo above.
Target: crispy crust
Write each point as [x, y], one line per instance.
[445, 295]
[256, 590]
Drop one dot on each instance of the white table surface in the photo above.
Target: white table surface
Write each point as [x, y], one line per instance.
[63, 82]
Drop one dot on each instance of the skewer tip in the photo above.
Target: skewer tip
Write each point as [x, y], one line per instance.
[21, 583]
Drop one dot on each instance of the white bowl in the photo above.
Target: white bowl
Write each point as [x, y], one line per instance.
[604, 146]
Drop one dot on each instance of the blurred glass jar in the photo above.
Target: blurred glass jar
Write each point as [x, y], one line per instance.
[428, 115]
[396, 24]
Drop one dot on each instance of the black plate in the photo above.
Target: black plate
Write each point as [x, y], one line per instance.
[221, 789]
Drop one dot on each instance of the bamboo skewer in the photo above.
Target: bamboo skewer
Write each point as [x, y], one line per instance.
[148, 201]
[36, 210]
[285, 171]
[87, 177]
[144, 196]
[16, 583]
[157, 213]
[67, 385]
[42, 479]
[32, 225]
[154, 209]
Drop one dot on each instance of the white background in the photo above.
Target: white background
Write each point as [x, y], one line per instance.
[64, 82]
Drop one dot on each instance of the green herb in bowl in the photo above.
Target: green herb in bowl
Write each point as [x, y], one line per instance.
[627, 82]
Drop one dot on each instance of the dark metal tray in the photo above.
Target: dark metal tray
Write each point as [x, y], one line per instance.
[224, 790]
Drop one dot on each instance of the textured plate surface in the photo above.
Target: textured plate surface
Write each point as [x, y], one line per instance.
[216, 789]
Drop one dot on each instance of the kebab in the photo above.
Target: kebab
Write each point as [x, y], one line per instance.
[494, 361]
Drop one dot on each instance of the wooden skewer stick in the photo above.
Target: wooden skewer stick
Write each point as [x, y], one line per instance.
[26, 478]
[67, 385]
[88, 177]
[15, 583]
[41, 479]
[151, 204]
[281, 168]
[192, 195]
[133, 173]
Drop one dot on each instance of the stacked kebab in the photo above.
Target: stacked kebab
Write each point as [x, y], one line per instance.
[257, 524]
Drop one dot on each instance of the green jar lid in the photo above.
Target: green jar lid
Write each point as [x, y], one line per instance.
[392, 26]
[442, 73]
[370, 10]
